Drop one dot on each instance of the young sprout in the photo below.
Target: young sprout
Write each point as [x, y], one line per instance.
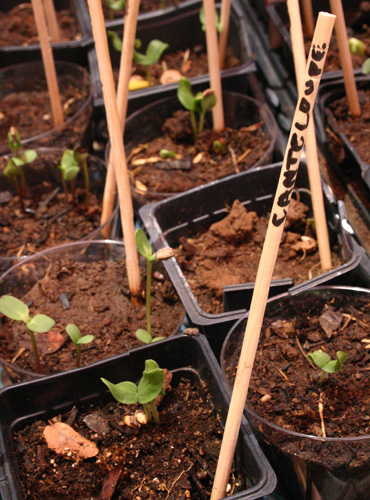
[358, 48]
[200, 103]
[15, 309]
[202, 19]
[114, 5]
[15, 165]
[149, 387]
[167, 153]
[69, 166]
[323, 361]
[145, 249]
[152, 55]
[78, 339]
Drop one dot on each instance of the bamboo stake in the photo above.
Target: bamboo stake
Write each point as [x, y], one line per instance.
[309, 23]
[214, 64]
[345, 58]
[51, 19]
[224, 22]
[116, 139]
[302, 116]
[49, 65]
[311, 146]
[129, 34]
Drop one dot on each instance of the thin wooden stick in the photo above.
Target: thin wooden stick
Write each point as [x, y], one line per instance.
[116, 139]
[317, 197]
[302, 116]
[129, 34]
[224, 22]
[214, 64]
[49, 65]
[51, 19]
[309, 23]
[345, 58]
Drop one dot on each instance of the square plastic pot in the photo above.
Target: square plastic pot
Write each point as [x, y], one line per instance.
[185, 356]
[181, 32]
[24, 78]
[193, 213]
[72, 51]
[279, 18]
[294, 456]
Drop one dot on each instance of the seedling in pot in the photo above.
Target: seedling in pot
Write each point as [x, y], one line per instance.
[69, 166]
[202, 19]
[145, 250]
[15, 166]
[78, 339]
[358, 48]
[115, 5]
[323, 361]
[149, 387]
[199, 103]
[15, 309]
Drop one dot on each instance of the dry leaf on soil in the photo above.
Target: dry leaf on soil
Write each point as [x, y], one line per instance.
[65, 441]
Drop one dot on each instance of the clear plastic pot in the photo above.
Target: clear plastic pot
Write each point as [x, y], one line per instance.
[17, 83]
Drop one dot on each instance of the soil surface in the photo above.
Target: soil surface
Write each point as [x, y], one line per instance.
[284, 388]
[49, 217]
[229, 253]
[175, 459]
[95, 297]
[17, 26]
[196, 163]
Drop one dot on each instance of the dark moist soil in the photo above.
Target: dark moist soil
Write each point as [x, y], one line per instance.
[17, 26]
[284, 387]
[145, 6]
[30, 113]
[48, 218]
[175, 459]
[197, 163]
[229, 254]
[95, 297]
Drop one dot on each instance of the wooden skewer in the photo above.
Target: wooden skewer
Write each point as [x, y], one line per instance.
[52, 21]
[214, 64]
[302, 115]
[309, 23]
[129, 34]
[224, 22]
[116, 139]
[49, 65]
[311, 146]
[345, 57]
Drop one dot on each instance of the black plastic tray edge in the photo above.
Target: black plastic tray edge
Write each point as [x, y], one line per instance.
[198, 346]
[161, 91]
[72, 51]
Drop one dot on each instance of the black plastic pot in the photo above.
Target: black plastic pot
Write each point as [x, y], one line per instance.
[279, 18]
[181, 32]
[185, 356]
[296, 457]
[72, 51]
[193, 212]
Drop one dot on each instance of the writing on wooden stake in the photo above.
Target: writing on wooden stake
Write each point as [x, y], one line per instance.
[296, 141]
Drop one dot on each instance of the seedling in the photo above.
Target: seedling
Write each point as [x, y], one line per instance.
[202, 19]
[200, 104]
[115, 5]
[15, 309]
[69, 166]
[15, 166]
[323, 361]
[152, 55]
[149, 387]
[167, 153]
[78, 339]
[358, 48]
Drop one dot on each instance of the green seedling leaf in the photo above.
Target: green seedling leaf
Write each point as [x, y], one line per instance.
[151, 383]
[323, 361]
[167, 153]
[28, 156]
[124, 392]
[74, 332]
[144, 336]
[115, 40]
[10, 170]
[14, 308]
[18, 162]
[68, 165]
[366, 67]
[143, 246]
[116, 4]
[86, 339]
[40, 323]
[185, 95]
[335, 366]
[356, 46]
[319, 358]
[155, 339]
[153, 53]
[14, 139]
[202, 19]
